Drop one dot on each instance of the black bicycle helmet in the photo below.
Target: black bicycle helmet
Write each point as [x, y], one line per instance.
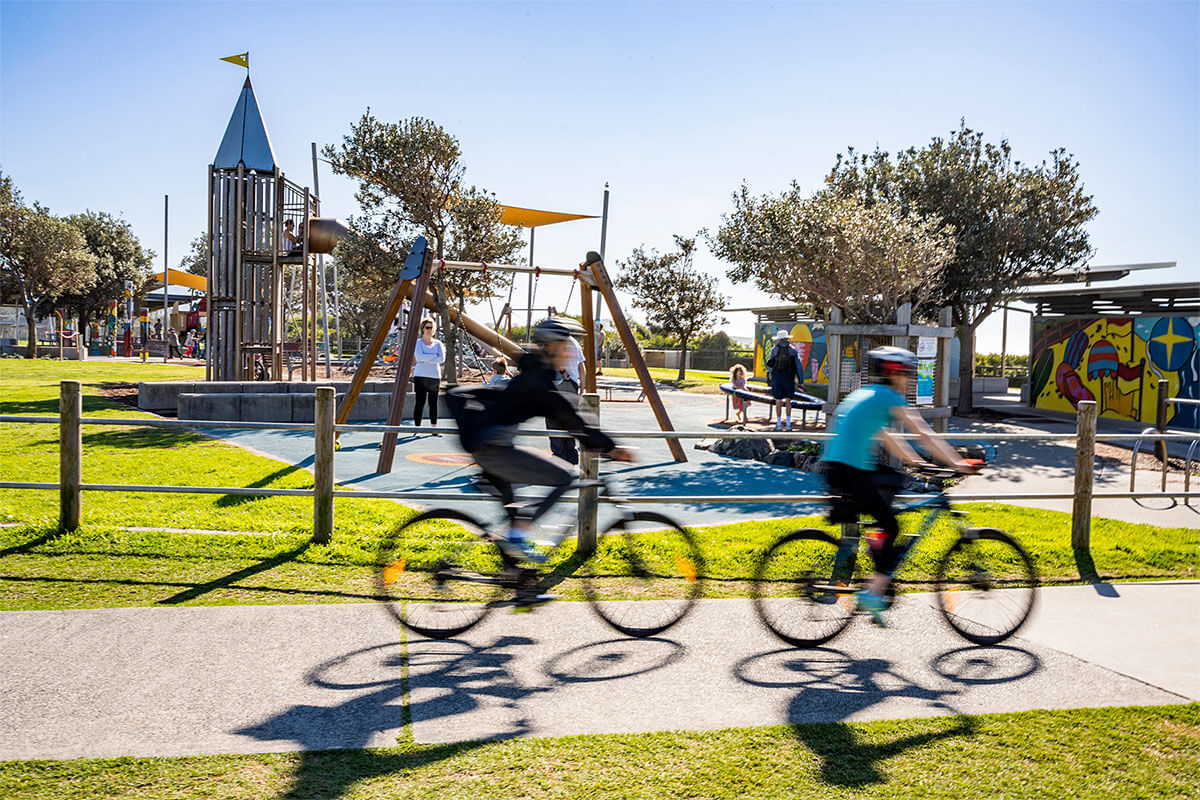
[887, 361]
[555, 329]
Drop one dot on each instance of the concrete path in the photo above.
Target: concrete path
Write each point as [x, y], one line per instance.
[184, 681]
[437, 464]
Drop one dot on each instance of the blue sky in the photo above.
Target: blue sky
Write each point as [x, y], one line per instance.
[109, 106]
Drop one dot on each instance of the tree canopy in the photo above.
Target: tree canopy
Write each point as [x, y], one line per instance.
[410, 182]
[1012, 221]
[828, 250]
[42, 258]
[119, 258]
[677, 298]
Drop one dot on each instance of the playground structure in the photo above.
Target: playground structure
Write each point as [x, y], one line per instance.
[261, 243]
[265, 233]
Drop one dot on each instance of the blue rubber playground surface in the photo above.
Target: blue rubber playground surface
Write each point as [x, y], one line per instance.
[428, 463]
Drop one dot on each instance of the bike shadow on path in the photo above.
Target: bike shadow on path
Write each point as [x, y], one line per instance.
[834, 687]
[457, 677]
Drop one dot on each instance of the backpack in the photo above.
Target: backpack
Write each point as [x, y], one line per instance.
[780, 361]
[471, 407]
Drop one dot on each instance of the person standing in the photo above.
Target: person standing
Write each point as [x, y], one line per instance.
[189, 344]
[741, 410]
[173, 343]
[782, 363]
[568, 382]
[428, 357]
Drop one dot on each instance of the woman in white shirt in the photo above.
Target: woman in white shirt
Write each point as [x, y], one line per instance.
[428, 357]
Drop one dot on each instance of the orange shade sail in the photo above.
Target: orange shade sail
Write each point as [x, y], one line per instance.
[532, 218]
[180, 278]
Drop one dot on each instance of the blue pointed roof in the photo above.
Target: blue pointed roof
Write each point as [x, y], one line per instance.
[246, 140]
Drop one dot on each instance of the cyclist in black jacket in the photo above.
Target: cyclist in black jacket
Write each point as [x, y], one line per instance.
[533, 394]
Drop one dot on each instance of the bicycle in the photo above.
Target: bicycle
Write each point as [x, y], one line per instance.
[806, 585]
[442, 572]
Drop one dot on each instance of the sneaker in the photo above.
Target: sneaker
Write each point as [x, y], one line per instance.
[515, 546]
[778, 424]
[789, 423]
[875, 605]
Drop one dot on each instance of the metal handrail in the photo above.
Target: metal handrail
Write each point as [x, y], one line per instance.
[749, 435]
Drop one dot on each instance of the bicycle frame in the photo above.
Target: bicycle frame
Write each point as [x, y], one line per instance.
[935, 508]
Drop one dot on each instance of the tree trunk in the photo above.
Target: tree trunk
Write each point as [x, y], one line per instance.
[966, 371]
[683, 351]
[31, 328]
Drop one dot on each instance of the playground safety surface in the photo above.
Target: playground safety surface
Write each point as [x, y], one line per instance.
[180, 681]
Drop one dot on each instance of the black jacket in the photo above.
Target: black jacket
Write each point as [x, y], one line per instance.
[533, 394]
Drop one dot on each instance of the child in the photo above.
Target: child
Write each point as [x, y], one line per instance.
[737, 377]
[500, 374]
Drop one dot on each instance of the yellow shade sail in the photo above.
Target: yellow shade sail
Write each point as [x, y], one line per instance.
[180, 278]
[532, 218]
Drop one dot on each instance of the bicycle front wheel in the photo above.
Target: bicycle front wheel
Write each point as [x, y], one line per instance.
[439, 574]
[801, 593]
[986, 586]
[645, 574]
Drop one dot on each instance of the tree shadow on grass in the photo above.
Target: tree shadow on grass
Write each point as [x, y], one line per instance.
[264, 590]
[234, 577]
[233, 500]
[33, 543]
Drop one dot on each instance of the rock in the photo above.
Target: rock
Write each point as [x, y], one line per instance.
[755, 449]
[780, 458]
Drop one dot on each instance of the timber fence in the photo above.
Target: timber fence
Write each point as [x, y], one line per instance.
[71, 486]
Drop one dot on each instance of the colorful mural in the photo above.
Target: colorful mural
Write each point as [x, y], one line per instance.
[808, 340]
[1116, 361]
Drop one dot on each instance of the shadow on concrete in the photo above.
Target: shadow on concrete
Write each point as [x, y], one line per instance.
[613, 659]
[833, 687]
[455, 675]
[234, 577]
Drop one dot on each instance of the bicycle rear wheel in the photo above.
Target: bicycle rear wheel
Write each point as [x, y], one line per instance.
[796, 592]
[986, 586]
[439, 573]
[645, 574]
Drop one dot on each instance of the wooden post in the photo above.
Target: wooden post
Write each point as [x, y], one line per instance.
[605, 285]
[833, 363]
[404, 367]
[1085, 451]
[589, 469]
[941, 380]
[589, 338]
[323, 465]
[70, 455]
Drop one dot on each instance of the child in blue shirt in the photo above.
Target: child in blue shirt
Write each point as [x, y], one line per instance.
[851, 467]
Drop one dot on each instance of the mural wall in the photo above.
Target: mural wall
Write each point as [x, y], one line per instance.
[1116, 361]
[808, 340]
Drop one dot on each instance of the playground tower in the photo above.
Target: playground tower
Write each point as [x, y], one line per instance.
[262, 290]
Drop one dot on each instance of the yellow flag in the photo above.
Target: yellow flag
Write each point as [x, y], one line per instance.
[241, 59]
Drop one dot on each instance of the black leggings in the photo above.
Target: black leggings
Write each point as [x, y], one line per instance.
[870, 492]
[422, 388]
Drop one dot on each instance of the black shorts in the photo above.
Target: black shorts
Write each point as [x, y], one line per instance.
[870, 492]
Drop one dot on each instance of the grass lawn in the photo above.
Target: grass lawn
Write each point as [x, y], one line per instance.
[266, 557]
[1119, 753]
[699, 381]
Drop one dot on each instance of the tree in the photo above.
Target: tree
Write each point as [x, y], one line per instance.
[41, 257]
[675, 296]
[830, 250]
[410, 182]
[1011, 221]
[119, 258]
[196, 259]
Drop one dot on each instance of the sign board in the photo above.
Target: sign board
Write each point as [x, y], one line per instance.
[926, 368]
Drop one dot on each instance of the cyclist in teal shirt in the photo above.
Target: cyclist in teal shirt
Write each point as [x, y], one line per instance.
[851, 467]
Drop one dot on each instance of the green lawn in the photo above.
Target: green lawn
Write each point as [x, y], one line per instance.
[1118, 753]
[266, 557]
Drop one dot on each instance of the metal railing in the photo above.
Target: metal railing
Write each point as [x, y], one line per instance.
[70, 484]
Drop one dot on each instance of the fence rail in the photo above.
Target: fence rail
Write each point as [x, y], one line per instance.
[71, 486]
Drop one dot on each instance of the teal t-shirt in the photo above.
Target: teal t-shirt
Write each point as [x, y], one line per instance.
[857, 422]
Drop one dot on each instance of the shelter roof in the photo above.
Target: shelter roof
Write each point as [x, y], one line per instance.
[1093, 272]
[1121, 301]
[532, 218]
[246, 140]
